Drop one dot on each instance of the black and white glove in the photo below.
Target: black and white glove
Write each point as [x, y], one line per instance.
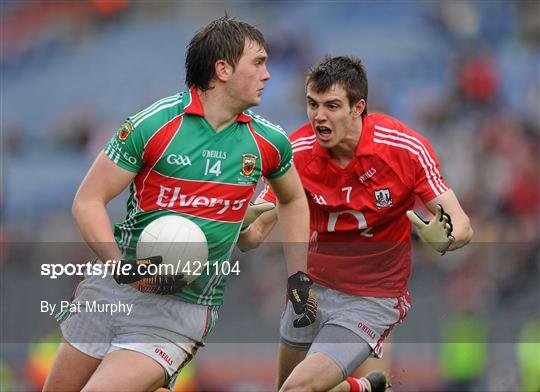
[436, 232]
[253, 212]
[302, 298]
[161, 285]
[137, 276]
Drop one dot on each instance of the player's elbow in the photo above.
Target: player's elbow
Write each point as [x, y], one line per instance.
[249, 240]
[79, 205]
[245, 246]
[76, 208]
[82, 207]
[469, 233]
[466, 233]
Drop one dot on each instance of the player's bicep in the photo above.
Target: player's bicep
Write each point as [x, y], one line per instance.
[287, 187]
[449, 202]
[104, 181]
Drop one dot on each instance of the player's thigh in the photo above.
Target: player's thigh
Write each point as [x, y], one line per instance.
[383, 364]
[70, 370]
[288, 359]
[126, 370]
[371, 318]
[317, 372]
[343, 346]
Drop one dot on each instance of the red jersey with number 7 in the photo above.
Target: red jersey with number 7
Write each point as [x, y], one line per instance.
[360, 235]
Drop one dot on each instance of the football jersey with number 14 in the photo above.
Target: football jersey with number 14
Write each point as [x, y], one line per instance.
[185, 167]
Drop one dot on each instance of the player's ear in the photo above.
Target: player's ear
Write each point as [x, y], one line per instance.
[223, 70]
[358, 108]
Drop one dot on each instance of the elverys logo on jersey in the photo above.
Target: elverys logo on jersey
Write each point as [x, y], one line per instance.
[125, 130]
[248, 164]
[223, 202]
[173, 197]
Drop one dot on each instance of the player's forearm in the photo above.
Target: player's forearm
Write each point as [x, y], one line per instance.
[462, 232]
[257, 231]
[294, 223]
[94, 224]
[461, 225]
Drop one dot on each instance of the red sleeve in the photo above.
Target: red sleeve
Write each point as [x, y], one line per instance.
[267, 194]
[429, 182]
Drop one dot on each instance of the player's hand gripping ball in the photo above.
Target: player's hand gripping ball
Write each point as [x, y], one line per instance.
[302, 298]
[167, 250]
[145, 282]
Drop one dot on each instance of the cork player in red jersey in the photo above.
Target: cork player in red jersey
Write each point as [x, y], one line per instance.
[361, 173]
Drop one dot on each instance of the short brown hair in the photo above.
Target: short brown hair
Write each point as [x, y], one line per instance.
[347, 71]
[221, 39]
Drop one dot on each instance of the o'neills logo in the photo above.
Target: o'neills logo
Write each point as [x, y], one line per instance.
[164, 355]
[173, 198]
[366, 329]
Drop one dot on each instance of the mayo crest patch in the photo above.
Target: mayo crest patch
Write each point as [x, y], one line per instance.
[125, 130]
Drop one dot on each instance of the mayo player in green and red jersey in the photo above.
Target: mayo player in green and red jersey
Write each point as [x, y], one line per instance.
[361, 173]
[198, 154]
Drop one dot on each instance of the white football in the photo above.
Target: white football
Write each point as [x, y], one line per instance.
[179, 241]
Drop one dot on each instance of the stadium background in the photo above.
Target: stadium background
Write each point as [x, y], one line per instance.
[463, 73]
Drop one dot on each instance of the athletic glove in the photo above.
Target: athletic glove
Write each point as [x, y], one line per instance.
[253, 212]
[437, 232]
[302, 298]
[161, 285]
[138, 277]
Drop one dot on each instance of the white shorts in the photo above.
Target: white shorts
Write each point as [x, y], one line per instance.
[371, 318]
[162, 327]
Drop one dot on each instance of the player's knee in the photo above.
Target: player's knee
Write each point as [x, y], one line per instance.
[94, 386]
[297, 384]
[99, 384]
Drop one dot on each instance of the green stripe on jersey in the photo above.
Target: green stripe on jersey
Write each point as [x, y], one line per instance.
[155, 105]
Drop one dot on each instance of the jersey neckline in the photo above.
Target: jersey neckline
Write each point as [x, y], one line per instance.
[192, 105]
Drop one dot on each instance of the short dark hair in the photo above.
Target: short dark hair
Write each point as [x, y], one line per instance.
[347, 71]
[222, 39]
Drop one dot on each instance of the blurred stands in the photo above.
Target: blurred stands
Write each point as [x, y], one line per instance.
[464, 73]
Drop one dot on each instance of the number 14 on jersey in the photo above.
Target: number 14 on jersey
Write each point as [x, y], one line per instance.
[214, 169]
